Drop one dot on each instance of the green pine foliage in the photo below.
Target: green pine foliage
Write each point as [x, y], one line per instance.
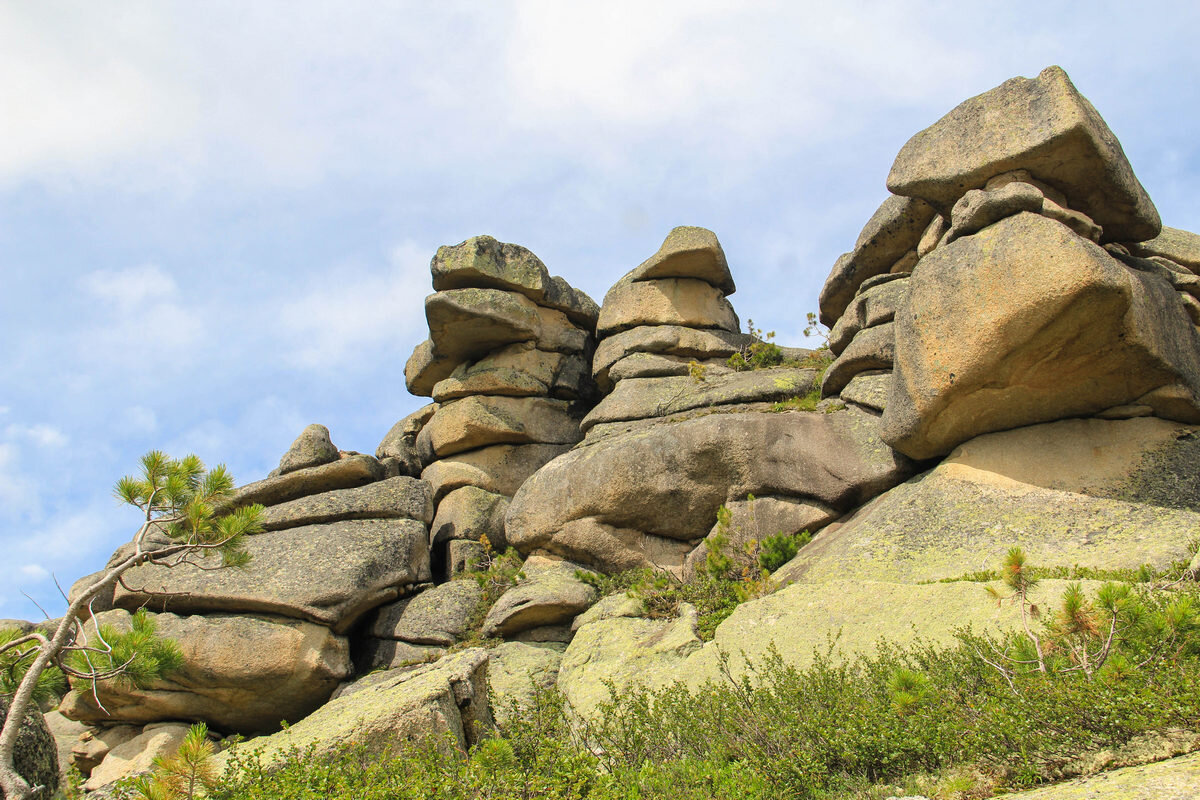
[15, 661]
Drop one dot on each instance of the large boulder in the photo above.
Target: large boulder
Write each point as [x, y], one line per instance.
[1025, 322]
[688, 302]
[688, 252]
[465, 324]
[311, 449]
[345, 473]
[239, 673]
[1181, 247]
[1041, 125]
[444, 702]
[548, 594]
[330, 574]
[437, 616]
[35, 755]
[394, 498]
[480, 420]
[137, 755]
[501, 468]
[647, 496]
[519, 673]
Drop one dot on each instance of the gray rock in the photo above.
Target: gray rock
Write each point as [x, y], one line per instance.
[94, 744]
[437, 616]
[345, 473]
[312, 448]
[752, 520]
[481, 262]
[518, 674]
[464, 556]
[500, 468]
[688, 252]
[137, 755]
[400, 443]
[643, 398]
[35, 753]
[465, 324]
[239, 673]
[470, 513]
[668, 340]
[480, 421]
[979, 208]
[869, 389]
[893, 230]
[103, 600]
[666, 301]
[653, 365]
[870, 349]
[392, 498]
[646, 497]
[330, 574]
[873, 305]
[373, 654]
[1043, 125]
[66, 733]
[548, 595]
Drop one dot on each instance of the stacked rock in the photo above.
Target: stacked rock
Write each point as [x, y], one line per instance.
[506, 364]
[1042, 286]
[270, 641]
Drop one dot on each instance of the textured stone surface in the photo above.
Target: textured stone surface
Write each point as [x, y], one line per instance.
[95, 743]
[1043, 125]
[239, 673]
[465, 324]
[468, 514]
[345, 473]
[66, 733]
[479, 421]
[752, 520]
[549, 594]
[392, 498]
[653, 365]
[518, 370]
[446, 698]
[371, 654]
[869, 389]
[873, 305]
[311, 449]
[501, 468]
[893, 230]
[870, 349]
[668, 301]
[437, 616]
[517, 673]
[426, 367]
[1173, 779]
[35, 752]
[1182, 247]
[1095, 493]
[688, 252]
[1025, 322]
[642, 398]
[979, 208]
[137, 755]
[330, 574]
[672, 340]
[615, 503]
[400, 442]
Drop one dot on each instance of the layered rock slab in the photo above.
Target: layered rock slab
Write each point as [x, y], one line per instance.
[239, 673]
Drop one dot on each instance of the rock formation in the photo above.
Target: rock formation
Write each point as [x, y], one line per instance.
[1014, 360]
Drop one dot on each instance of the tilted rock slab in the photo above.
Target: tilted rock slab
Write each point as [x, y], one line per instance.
[330, 574]
[470, 513]
[345, 473]
[311, 449]
[1182, 247]
[239, 673]
[688, 252]
[1043, 125]
[436, 616]
[392, 498]
[643, 497]
[518, 370]
[671, 340]
[465, 324]
[501, 468]
[549, 594]
[1025, 322]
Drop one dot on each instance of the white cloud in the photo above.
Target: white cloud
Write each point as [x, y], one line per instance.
[35, 571]
[139, 420]
[40, 434]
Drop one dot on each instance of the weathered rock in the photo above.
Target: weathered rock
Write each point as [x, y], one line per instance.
[1025, 322]
[1094, 493]
[239, 673]
[465, 324]
[875, 304]
[426, 367]
[464, 556]
[437, 616]
[137, 755]
[1182, 247]
[92, 746]
[869, 389]
[1174, 779]
[979, 208]
[66, 733]
[345, 473]
[330, 574]
[373, 654]
[688, 252]
[101, 602]
[752, 520]
[501, 468]
[668, 301]
[549, 594]
[484, 263]
[1077, 221]
[312, 448]
[519, 370]
[22, 625]
[611, 503]
[35, 752]
[470, 513]
[643, 398]
[479, 421]
[870, 349]
[392, 498]
[893, 230]
[447, 698]
[670, 340]
[1043, 125]
[518, 674]
[400, 442]
[652, 365]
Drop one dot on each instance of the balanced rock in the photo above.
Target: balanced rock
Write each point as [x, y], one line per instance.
[399, 445]
[479, 421]
[239, 673]
[549, 594]
[311, 449]
[330, 574]
[666, 340]
[1025, 322]
[345, 473]
[1042, 125]
[668, 301]
[518, 370]
[979, 208]
[870, 349]
[688, 252]
[1180, 247]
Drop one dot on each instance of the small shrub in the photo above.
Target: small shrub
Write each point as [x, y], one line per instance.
[775, 551]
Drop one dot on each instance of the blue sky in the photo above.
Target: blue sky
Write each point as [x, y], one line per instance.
[216, 218]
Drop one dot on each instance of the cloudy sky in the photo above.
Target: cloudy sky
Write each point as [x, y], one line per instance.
[216, 218]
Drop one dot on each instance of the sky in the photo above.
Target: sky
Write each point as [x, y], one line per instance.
[216, 218]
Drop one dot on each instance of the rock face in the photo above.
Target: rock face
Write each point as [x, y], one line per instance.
[35, 755]
[311, 449]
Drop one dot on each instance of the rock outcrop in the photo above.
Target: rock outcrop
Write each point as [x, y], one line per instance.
[35, 755]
